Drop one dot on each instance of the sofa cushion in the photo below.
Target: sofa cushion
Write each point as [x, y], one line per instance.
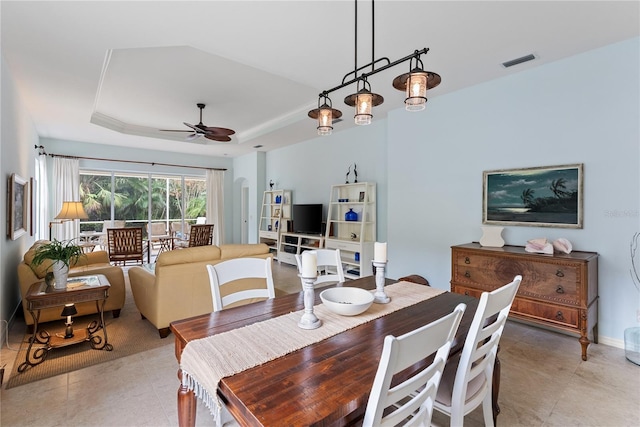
[188, 255]
[242, 251]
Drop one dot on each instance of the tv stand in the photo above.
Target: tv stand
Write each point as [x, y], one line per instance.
[292, 244]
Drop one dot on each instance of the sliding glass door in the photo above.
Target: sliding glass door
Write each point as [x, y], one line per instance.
[139, 199]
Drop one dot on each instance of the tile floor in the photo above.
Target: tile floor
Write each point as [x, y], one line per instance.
[544, 383]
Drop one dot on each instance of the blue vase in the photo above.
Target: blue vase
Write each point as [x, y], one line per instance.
[351, 215]
[278, 199]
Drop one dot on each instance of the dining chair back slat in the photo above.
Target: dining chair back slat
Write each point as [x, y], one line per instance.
[227, 272]
[329, 266]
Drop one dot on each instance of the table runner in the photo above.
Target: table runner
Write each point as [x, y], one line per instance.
[205, 361]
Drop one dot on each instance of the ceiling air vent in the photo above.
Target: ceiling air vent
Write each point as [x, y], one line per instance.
[517, 61]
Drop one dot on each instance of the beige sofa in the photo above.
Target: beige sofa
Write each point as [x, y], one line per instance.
[91, 263]
[177, 286]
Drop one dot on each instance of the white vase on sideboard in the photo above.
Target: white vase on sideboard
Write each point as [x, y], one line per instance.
[492, 237]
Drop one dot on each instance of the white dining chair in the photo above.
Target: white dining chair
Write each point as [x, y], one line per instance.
[226, 272]
[329, 266]
[411, 401]
[463, 389]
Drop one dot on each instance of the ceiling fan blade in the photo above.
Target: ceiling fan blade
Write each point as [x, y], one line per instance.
[220, 138]
[173, 130]
[192, 136]
[219, 131]
[191, 126]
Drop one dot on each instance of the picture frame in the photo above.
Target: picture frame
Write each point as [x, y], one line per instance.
[32, 192]
[18, 214]
[276, 212]
[361, 197]
[546, 196]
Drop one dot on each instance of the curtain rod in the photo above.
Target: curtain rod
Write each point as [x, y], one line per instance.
[136, 161]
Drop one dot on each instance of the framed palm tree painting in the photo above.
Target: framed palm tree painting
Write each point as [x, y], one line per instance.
[549, 196]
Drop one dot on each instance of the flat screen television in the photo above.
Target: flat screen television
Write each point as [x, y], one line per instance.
[307, 219]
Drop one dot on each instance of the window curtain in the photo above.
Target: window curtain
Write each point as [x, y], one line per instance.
[215, 204]
[42, 199]
[66, 176]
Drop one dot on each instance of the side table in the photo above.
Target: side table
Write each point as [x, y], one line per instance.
[79, 289]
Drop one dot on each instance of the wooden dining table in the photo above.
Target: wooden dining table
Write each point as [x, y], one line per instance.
[323, 384]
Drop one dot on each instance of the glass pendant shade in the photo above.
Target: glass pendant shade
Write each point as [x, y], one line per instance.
[416, 91]
[325, 120]
[324, 114]
[363, 108]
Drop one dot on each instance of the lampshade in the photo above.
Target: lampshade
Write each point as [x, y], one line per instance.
[69, 310]
[72, 210]
[325, 115]
[363, 101]
[415, 83]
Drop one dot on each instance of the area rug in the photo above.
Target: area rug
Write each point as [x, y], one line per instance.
[128, 334]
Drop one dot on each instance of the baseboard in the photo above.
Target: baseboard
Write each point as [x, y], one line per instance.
[613, 342]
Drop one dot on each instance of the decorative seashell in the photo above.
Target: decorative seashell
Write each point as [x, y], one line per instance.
[540, 246]
[563, 245]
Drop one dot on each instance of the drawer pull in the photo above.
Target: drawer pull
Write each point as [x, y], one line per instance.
[559, 273]
[467, 260]
[466, 293]
[467, 274]
[559, 316]
[560, 289]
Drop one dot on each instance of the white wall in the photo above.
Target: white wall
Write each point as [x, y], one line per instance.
[584, 109]
[17, 155]
[310, 168]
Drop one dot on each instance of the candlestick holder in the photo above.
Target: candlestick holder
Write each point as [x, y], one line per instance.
[380, 297]
[308, 319]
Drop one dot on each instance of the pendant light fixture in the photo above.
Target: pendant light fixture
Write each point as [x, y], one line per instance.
[415, 83]
[363, 101]
[325, 114]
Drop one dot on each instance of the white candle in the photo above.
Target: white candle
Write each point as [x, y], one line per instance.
[380, 252]
[309, 264]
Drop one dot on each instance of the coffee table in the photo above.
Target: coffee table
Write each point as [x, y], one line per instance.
[79, 289]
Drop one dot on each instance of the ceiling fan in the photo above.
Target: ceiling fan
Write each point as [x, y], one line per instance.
[212, 133]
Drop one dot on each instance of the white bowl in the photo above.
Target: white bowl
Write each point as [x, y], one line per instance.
[346, 301]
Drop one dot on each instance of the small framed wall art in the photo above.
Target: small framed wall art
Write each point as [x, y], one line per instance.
[18, 214]
[549, 196]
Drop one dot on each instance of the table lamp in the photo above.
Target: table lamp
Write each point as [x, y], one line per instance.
[68, 311]
[68, 212]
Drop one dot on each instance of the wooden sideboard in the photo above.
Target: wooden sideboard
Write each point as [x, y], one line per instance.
[558, 291]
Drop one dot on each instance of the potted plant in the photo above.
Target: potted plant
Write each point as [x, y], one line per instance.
[61, 255]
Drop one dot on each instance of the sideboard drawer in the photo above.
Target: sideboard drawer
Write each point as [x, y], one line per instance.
[554, 289]
[467, 291]
[560, 315]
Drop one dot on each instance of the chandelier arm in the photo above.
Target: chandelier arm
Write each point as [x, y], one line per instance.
[355, 73]
[355, 38]
[384, 67]
[373, 35]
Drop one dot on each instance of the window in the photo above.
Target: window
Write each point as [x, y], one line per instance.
[140, 198]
